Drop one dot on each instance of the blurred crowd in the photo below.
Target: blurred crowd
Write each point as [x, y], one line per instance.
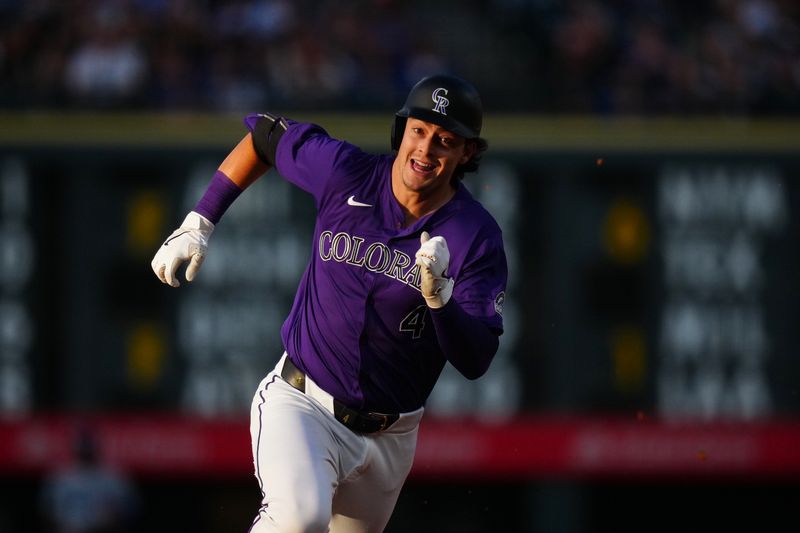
[560, 56]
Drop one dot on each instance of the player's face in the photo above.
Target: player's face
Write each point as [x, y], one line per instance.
[428, 155]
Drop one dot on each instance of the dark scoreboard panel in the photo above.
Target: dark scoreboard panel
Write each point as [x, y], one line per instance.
[643, 283]
[19, 256]
[668, 285]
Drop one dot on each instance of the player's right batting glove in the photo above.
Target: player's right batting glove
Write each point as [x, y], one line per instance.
[187, 243]
[433, 257]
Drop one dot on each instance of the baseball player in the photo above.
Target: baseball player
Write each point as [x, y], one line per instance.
[407, 272]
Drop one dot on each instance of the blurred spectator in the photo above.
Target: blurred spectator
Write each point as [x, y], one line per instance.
[107, 67]
[568, 56]
[584, 41]
[87, 496]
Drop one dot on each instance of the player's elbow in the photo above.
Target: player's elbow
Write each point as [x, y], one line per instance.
[477, 364]
[474, 374]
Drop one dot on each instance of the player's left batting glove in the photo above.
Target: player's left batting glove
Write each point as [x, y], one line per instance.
[433, 257]
[187, 243]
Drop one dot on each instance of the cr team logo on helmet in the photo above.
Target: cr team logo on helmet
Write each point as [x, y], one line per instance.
[440, 101]
[456, 107]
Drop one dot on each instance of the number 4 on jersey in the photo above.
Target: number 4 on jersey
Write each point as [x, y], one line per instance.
[414, 322]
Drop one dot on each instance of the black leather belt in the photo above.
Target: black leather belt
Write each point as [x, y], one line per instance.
[358, 421]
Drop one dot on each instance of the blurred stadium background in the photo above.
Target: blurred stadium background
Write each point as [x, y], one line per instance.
[644, 167]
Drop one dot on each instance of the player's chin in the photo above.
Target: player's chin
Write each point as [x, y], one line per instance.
[417, 183]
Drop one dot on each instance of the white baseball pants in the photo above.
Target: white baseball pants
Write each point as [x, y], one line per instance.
[315, 474]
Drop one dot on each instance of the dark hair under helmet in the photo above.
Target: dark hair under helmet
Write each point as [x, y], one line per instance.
[444, 100]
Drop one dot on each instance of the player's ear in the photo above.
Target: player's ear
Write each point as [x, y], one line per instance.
[470, 148]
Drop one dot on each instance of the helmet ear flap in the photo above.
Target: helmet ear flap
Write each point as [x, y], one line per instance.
[398, 129]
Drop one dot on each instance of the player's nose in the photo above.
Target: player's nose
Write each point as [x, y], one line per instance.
[424, 145]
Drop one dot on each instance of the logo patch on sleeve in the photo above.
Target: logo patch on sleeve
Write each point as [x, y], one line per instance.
[499, 300]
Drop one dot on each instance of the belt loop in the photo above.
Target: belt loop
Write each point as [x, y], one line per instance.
[322, 396]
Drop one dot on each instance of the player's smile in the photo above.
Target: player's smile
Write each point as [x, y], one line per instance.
[422, 167]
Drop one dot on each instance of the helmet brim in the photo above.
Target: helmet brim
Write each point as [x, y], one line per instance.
[439, 119]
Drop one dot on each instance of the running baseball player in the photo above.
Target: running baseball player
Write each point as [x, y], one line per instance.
[407, 273]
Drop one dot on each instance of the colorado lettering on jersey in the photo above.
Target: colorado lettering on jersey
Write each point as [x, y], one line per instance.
[375, 257]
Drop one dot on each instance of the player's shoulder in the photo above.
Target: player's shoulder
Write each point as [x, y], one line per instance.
[474, 214]
[317, 143]
[470, 227]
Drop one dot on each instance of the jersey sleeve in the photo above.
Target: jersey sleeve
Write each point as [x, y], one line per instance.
[304, 155]
[481, 283]
[311, 159]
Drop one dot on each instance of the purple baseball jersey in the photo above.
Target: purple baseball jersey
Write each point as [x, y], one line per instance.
[359, 325]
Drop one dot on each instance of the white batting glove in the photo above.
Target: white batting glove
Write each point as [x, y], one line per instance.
[187, 243]
[433, 257]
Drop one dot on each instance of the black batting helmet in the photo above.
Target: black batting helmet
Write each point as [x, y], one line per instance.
[445, 100]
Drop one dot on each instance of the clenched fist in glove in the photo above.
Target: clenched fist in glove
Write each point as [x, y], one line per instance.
[187, 243]
[433, 257]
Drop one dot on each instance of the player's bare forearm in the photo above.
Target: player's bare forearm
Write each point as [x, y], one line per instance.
[189, 242]
[242, 165]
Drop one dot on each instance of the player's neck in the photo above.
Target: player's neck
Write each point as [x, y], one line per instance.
[416, 205]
